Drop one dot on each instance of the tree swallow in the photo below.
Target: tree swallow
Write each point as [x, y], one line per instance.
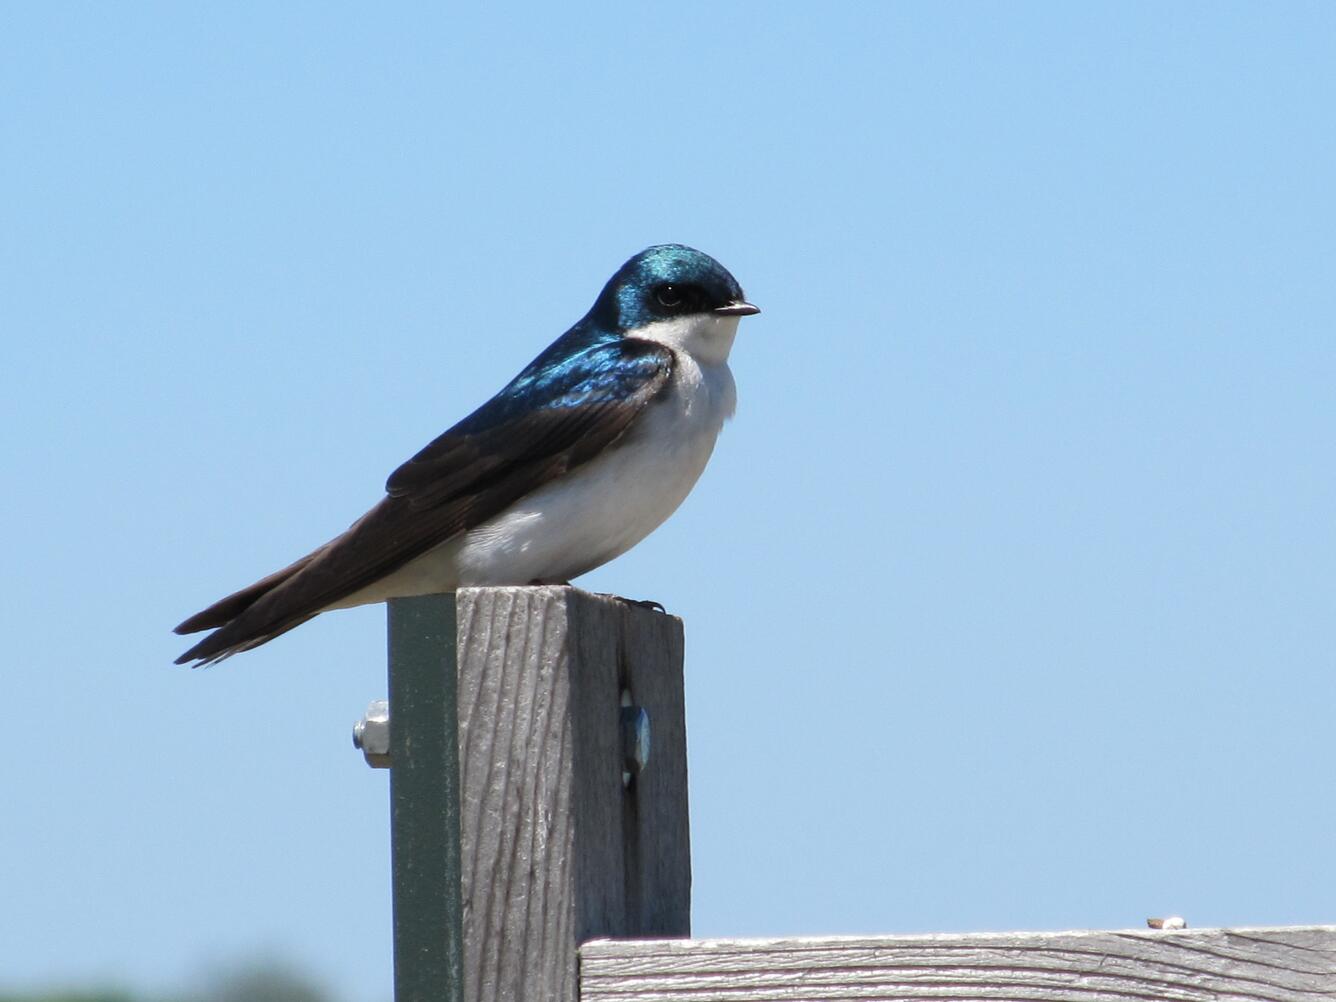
[577, 459]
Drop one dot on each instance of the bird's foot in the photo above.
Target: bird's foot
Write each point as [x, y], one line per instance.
[642, 603]
[639, 603]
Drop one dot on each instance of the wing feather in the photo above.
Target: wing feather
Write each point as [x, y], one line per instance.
[549, 420]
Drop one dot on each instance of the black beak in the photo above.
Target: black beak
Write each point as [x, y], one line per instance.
[736, 310]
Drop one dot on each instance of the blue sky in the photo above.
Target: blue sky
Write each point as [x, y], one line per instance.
[1009, 592]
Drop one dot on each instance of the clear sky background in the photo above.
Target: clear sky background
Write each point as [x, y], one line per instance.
[1008, 593]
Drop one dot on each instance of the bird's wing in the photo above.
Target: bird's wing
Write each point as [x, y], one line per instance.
[549, 420]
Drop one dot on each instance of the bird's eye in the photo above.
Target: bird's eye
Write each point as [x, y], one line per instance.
[668, 295]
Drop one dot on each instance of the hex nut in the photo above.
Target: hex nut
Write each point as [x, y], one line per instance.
[372, 734]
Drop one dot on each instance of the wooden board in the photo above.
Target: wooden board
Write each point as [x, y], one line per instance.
[1205, 965]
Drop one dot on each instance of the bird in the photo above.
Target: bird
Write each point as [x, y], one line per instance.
[579, 457]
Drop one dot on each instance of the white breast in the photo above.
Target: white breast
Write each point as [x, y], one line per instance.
[605, 507]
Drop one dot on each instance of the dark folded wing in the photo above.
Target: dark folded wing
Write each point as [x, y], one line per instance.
[549, 420]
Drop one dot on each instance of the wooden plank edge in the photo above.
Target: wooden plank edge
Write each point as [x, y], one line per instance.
[1325, 934]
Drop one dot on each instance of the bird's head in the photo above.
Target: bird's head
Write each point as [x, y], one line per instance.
[678, 296]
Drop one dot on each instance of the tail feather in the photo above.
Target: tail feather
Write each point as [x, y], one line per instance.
[230, 612]
[372, 547]
[227, 609]
[223, 643]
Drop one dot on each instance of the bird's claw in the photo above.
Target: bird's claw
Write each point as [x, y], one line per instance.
[644, 603]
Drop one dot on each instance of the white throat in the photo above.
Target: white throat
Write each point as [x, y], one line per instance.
[706, 338]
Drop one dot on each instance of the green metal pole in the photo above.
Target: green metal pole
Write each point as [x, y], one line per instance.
[424, 800]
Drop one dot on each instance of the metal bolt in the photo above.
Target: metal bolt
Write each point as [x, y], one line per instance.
[635, 739]
[372, 734]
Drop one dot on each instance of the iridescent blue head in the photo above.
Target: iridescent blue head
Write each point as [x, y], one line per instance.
[668, 282]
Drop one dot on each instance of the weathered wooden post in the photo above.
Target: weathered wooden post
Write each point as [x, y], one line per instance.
[571, 808]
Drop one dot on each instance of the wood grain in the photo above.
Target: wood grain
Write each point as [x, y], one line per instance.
[554, 849]
[1207, 965]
